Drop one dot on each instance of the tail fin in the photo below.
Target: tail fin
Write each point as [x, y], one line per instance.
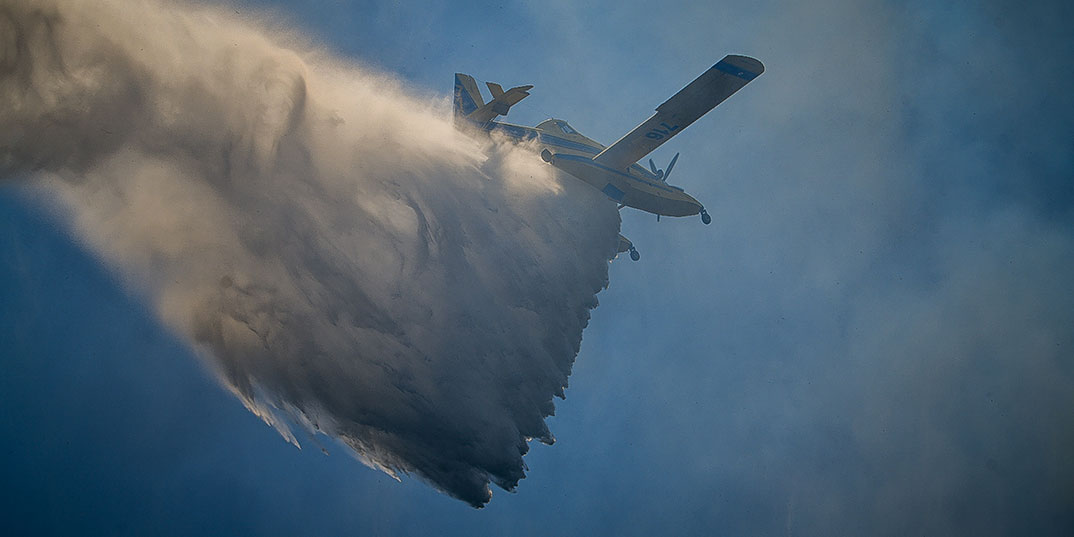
[467, 97]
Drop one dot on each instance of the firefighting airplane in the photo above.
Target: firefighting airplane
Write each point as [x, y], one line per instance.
[613, 170]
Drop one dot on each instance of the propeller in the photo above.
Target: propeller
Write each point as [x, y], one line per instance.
[663, 174]
[671, 165]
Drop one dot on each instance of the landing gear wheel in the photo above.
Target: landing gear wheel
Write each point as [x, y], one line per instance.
[634, 255]
[705, 218]
[546, 156]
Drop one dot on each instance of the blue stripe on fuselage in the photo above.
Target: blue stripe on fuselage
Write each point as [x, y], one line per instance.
[591, 162]
[557, 141]
[528, 133]
[521, 133]
[514, 131]
[613, 192]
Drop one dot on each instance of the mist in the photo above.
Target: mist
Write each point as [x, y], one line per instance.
[339, 257]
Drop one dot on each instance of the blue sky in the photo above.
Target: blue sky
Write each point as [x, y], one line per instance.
[873, 336]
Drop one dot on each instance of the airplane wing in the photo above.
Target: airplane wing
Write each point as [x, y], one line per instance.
[695, 100]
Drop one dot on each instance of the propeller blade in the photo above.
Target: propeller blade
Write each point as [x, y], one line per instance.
[658, 173]
[670, 166]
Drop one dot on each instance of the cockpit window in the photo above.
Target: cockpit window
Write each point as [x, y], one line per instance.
[566, 128]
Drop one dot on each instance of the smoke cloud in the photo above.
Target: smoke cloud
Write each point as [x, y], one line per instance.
[334, 250]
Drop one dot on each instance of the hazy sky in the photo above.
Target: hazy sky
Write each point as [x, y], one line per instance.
[874, 336]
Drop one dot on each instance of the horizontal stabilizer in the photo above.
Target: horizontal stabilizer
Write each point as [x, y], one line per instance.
[501, 102]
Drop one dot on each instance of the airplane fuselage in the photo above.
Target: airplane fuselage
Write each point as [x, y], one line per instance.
[612, 170]
[571, 152]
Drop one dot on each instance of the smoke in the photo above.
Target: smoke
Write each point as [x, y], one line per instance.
[335, 251]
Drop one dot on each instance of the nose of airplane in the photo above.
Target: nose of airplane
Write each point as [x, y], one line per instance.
[697, 207]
